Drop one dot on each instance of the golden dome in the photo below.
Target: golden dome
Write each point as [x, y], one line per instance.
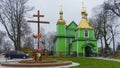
[61, 21]
[84, 24]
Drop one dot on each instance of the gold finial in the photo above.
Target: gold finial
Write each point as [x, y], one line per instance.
[83, 8]
[82, 4]
[61, 12]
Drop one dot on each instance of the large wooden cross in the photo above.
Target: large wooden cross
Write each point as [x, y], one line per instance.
[38, 21]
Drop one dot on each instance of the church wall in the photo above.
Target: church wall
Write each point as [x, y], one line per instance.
[60, 29]
[67, 46]
[80, 43]
[70, 32]
[61, 45]
[80, 48]
[74, 47]
[95, 49]
[77, 47]
[55, 48]
[91, 34]
[81, 35]
[76, 34]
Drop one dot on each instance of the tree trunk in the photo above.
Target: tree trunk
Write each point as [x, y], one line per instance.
[106, 45]
[113, 44]
[102, 46]
[15, 44]
[18, 38]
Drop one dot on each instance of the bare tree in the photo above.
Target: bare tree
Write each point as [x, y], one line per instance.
[7, 45]
[118, 46]
[102, 27]
[2, 37]
[114, 32]
[29, 42]
[103, 24]
[51, 38]
[97, 24]
[2, 40]
[12, 16]
[27, 38]
[114, 6]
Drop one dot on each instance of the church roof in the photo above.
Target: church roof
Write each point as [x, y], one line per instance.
[72, 25]
[84, 23]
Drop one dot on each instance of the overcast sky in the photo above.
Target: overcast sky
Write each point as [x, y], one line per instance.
[51, 8]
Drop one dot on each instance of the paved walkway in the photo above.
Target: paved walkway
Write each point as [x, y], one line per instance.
[110, 59]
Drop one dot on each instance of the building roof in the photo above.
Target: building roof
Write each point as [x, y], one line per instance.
[84, 23]
[72, 25]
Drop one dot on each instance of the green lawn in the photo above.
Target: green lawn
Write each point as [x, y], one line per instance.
[91, 63]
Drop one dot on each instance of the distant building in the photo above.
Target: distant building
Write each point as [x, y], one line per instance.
[75, 39]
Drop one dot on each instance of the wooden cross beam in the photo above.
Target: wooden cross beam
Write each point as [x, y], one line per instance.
[38, 22]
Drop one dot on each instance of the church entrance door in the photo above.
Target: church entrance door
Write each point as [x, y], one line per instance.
[88, 51]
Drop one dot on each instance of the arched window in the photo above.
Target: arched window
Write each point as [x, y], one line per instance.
[86, 33]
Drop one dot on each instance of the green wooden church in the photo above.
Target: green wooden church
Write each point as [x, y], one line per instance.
[75, 39]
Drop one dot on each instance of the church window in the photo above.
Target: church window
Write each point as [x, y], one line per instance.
[86, 33]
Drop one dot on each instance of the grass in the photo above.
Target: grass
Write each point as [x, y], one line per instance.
[90, 63]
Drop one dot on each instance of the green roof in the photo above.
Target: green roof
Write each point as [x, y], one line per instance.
[72, 25]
